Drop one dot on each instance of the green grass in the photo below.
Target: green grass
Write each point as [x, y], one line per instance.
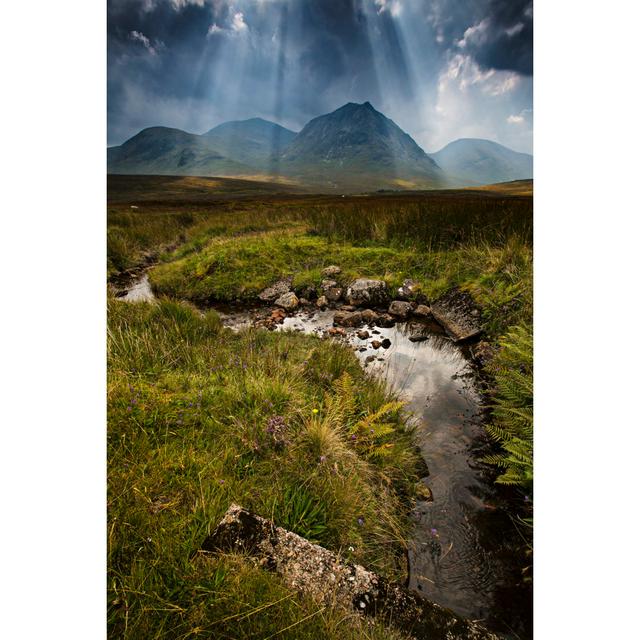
[238, 268]
[199, 418]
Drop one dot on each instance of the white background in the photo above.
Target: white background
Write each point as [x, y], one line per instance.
[52, 204]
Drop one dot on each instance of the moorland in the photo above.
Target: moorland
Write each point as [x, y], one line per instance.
[288, 425]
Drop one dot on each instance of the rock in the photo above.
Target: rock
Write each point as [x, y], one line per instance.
[333, 294]
[422, 311]
[385, 320]
[347, 318]
[376, 344]
[417, 331]
[336, 331]
[327, 579]
[270, 294]
[363, 334]
[386, 343]
[363, 292]
[288, 301]
[304, 302]
[322, 302]
[369, 359]
[348, 307]
[400, 309]
[458, 313]
[307, 292]
[370, 316]
[328, 284]
[408, 289]
[331, 271]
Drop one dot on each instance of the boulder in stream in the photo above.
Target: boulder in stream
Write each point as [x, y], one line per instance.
[400, 308]
[333, 294]
[366, 292]
[458, 313]
[422, 311]
[288, 301]
[270, 294]
[417, 331]
[322, 302]
[348, 318]
[385, 320]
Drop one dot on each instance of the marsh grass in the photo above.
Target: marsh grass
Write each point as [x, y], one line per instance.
[200, 417]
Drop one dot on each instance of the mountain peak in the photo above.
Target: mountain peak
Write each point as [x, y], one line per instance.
[357, 141]
[356, 106]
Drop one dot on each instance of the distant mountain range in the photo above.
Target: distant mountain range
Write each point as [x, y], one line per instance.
[352, 148]
[473, 161]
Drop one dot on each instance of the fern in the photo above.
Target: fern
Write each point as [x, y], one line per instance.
[512, 409]
[370, 432]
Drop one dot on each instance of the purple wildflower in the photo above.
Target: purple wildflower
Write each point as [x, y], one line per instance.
[277, 429]
[434, 532]
[323, 459]
[361, 521]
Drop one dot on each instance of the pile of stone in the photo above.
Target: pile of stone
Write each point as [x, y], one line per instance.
[455, 311]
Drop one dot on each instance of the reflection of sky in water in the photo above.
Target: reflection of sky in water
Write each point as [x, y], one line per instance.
[140, 291]
[447, 562]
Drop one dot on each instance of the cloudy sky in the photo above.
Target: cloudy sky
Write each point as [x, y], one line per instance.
[441, 69]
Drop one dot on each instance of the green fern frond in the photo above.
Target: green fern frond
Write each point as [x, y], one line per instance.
[512, 407]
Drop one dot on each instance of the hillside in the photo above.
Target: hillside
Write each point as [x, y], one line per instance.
[470, 161]
[255, 142]
[357, 144]
[165, 151]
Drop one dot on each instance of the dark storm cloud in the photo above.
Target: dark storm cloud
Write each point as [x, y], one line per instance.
[497, 33]
[506, 41]
[194, 63]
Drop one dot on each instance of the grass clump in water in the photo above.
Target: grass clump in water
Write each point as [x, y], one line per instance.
[200, 417]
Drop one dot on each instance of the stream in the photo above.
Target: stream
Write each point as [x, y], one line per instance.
[464, 552]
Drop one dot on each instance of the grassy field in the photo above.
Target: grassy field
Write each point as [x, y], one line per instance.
[283, 424]
[286, 425]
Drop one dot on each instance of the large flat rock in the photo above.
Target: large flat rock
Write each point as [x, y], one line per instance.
[459, 315]
[329, 580]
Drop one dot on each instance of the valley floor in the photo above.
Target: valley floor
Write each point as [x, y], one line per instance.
[200, 417]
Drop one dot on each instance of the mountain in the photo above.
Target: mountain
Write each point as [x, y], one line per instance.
[354, 148]
[255, 142]
[357, 145]
[470, 161]
[165, 151]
